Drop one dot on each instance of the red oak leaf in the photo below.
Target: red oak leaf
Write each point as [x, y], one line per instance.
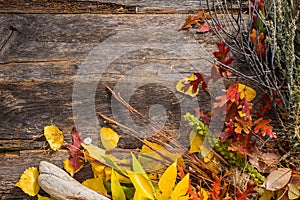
[249, 190]
[195, 83]
[261, 125]
[222, 52]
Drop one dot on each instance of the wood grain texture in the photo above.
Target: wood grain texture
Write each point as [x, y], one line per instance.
[45, 44]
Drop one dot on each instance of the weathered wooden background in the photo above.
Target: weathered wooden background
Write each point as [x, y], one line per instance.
[43, 45]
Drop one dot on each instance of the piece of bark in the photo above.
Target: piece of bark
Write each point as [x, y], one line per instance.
[57, 183]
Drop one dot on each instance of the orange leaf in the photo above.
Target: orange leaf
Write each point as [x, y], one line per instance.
[261, 125]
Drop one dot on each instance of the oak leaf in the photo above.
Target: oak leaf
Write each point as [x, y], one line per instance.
[261, 125]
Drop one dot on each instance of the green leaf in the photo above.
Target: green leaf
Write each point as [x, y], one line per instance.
[181, 189]
[116, 188]
[167, 180]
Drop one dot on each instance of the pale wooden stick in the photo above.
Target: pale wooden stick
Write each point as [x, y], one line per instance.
[57, 183]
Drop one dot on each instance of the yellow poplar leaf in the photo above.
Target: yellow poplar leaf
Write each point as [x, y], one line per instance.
[116, 188]
[29, 181]
[196, 142]
[109, 138]
[293, 192]
[69, 168]
[181, 188]
[167, 180]
[180, 85]
[142, 184]
[43, 198]
[246, 91]
[95, 184]
[54, 137]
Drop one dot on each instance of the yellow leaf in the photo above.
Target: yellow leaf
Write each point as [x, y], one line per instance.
[196, 142]
[142, 184]
[181, 84]
[98, 169]
[43, 198]
[29, 181]
[69, 168]
[54, 137]
[94, 152]
[167, 180]
[109, 138]
[181, 188]
[116, 188]
[151, 160]
[246, 91]
[95, 184]
[138, 196]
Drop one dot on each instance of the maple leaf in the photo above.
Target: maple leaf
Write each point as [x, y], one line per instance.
[204, 28]
[261, 125]
[249, 190]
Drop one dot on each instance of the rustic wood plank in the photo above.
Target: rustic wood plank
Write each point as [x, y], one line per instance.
[49, 51]
[97, 6]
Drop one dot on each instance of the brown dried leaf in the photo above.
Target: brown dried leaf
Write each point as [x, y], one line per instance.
[278, 179]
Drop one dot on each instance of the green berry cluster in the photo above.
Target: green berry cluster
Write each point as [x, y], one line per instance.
[233, 158]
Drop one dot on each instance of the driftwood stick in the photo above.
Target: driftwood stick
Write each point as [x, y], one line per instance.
[57, 183]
